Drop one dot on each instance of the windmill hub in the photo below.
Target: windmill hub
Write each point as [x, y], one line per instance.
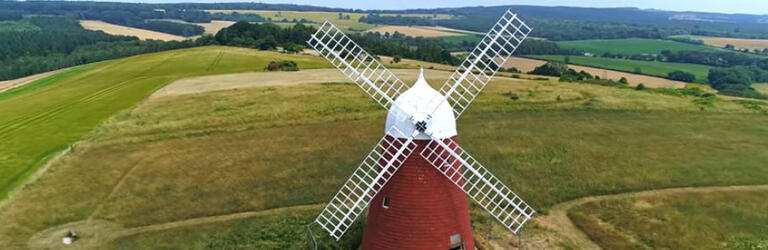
[418, 102]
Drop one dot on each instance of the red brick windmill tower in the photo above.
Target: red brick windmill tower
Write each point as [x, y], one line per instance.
[418, 201]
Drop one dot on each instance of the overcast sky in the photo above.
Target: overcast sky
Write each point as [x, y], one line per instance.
[723, 6]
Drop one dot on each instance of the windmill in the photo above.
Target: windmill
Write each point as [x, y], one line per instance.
[418, 201]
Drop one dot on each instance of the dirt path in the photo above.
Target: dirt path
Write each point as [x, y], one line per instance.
[557, 220]
[95, 233]
[266, 79]
[18, 82]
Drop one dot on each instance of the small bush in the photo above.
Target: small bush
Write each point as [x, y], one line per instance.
[624, 80]
[682, 76]
[550, 69]
[640, 87]
[282, 66]
[512, 96]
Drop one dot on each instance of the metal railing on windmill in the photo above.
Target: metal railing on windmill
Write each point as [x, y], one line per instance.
[418, 201]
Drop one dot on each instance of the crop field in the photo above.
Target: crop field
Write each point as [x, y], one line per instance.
[48, 115]
[214, 26]
[352, 23]
[528, 65]
[739, 43]
[652, 68]
[414, 31]
[631, 46]
[115, 29]
[249, 167]
[727, 219]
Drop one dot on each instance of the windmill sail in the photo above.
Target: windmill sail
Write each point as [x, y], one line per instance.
[354, 62]
[366, 181]
[484, 61]
[478, 183]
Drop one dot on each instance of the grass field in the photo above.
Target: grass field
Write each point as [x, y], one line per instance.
[762, 87]
[143, 178]
[653, 68]
[712, 220]
[46, 116]
[631, 46]
[115, 29]
[352, 23]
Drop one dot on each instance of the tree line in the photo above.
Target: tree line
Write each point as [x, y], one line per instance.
[270, 36]
[61, 42]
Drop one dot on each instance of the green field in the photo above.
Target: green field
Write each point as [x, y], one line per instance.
[652, 68]
[712, 220]
[631, 46]
[762, 87]
[466, 37]
[47, 116]
[282, 151]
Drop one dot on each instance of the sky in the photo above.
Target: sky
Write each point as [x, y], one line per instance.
[721, 6]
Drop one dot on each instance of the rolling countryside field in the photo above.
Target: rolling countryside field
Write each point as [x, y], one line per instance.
[64, 108]
[729, 218]
[264, 159]
[128, 31]
[631, 46]
[654, 68]
[739, 43]
[319, 17]
[762, 87]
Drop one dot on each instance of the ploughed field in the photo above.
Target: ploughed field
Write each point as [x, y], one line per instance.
[249, 167]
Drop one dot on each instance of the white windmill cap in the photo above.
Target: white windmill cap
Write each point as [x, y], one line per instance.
[420, 100]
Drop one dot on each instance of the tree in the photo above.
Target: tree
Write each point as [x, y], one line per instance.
[682, 76]
[550, 69]
[624, 80]
[396, 59]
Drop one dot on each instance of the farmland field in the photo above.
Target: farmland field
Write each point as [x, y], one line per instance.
[262, 160]
[631, 46]
[739, 43]
[414, 31]
[48, 115]
[528, 65]
[352, 23]
[700, 220]
[762, 87]
[653, 68]
[115, 29]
